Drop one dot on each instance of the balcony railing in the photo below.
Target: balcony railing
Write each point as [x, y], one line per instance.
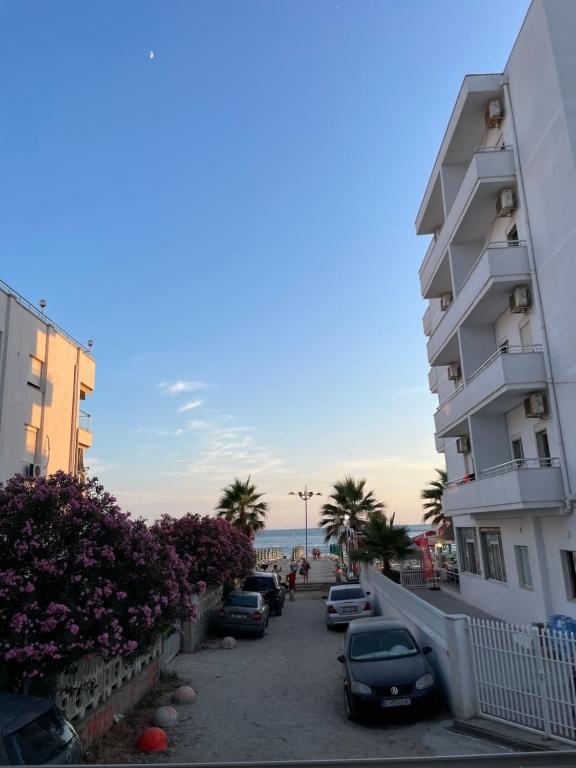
[85, 421]
[451, 396]
[508, 466]
[41, 316]
[491, 244]
[505, 350]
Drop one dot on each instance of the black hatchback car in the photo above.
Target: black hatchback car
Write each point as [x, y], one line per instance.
[33, 731]
[386, 672]
[268, 584]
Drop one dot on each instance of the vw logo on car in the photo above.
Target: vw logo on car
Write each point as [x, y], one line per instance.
[394, 691]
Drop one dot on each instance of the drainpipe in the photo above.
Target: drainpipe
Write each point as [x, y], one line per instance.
[40, 458]
[4, 359]
[73, 455]
[570, 497]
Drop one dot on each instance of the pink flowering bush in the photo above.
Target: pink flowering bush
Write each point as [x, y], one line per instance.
[78, 576]
[214, 550]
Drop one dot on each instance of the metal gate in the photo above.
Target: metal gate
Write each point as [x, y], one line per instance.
[526, 676]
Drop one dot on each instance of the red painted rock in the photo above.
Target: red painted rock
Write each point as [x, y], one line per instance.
[165, 717]
[152, 740]
[228, 643]
[184, 695]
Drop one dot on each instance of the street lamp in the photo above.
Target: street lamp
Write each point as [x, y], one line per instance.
[305, 495]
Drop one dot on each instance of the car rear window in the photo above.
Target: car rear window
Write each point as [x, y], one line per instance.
[244, 601]
[382, 644]
[41, 740]
[259, 583]
[354, 593]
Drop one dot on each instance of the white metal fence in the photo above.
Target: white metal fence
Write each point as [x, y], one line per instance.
[413, 578]
[526, 676]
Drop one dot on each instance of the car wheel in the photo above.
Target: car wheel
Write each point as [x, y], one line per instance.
[351, 712]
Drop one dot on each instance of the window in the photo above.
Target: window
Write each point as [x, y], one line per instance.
[569, 564]
[523, 565]
[468, 550]
[35, 372]
[517, 449]
[543, 447]
[30, 438]
[512, 235]
[493, 554]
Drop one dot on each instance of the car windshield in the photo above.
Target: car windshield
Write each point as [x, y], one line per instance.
[354, 593]
[41, 740]
[382, 644]
[259, 583]
[244, 601]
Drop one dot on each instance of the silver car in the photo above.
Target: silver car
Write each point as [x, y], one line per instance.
[243, 613]
[347, 602]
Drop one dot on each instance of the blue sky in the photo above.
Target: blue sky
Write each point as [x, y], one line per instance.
[232, 222]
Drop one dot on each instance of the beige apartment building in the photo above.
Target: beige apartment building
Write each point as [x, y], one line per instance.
[45, 377]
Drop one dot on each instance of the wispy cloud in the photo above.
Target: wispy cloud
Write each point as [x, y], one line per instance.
[172, 388]
[189, 406]
[195, 424]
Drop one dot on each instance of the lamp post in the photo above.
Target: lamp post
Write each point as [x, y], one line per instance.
[305, 495]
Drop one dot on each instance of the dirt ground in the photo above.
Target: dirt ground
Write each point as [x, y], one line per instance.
[278, 698]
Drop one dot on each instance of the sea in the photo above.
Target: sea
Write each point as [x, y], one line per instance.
[288, 538]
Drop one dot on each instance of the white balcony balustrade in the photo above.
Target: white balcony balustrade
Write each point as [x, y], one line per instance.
[517, 485]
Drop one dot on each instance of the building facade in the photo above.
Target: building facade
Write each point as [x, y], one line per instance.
[45, 376]
[500, 279]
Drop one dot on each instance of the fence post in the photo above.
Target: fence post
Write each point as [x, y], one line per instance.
[537, 649]
[463, 687]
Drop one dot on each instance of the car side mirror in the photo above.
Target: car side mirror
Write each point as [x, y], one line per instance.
[426, 650]
[341, 658]
[367, 594]
[324, 597]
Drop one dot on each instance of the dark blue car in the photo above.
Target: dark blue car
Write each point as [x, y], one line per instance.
[33, 731]
[386, 673]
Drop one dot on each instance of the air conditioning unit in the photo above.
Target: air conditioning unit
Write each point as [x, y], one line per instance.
[520, 299]
[445, 300]
[535, 406]
[505, 202]
[463, 444]
[454, 371]
[494, 113]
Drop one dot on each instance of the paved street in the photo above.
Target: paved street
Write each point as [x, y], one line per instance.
[280, 698]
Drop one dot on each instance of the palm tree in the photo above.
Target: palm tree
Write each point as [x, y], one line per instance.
[349, 508]
[240, 505]
[381, 540]
[432, 503]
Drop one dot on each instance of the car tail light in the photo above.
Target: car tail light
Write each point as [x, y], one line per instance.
[256, 615]
[331, 609]
[367, 605]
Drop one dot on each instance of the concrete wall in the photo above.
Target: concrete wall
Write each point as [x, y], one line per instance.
[193, 632]
[51, 408]
[447, 635]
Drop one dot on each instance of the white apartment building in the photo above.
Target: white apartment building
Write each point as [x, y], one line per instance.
[45, 375]
[500, 279]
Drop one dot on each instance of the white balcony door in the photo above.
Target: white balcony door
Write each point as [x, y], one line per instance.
[526, 334]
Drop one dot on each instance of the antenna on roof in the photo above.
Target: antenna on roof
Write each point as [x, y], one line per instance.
[90, 345]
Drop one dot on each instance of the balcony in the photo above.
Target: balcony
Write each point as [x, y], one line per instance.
[482, 298]
[497, 386]
[518, 485]
[490, 170]
[433, 380]
[84, 430]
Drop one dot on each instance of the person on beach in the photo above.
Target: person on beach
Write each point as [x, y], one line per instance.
[304, 570]
[291, 581]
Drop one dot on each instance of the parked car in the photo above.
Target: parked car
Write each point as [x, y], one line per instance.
[33, 731]
[268, 585]
[352, 576]
[346, 603]
[386, 671]
[243, 613]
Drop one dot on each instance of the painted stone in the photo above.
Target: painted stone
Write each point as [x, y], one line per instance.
[152, 740]
[184, 695]
[228, 643]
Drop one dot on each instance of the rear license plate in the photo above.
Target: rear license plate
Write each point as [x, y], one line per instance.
[396, 702]
[236, 615]
[349, 609]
